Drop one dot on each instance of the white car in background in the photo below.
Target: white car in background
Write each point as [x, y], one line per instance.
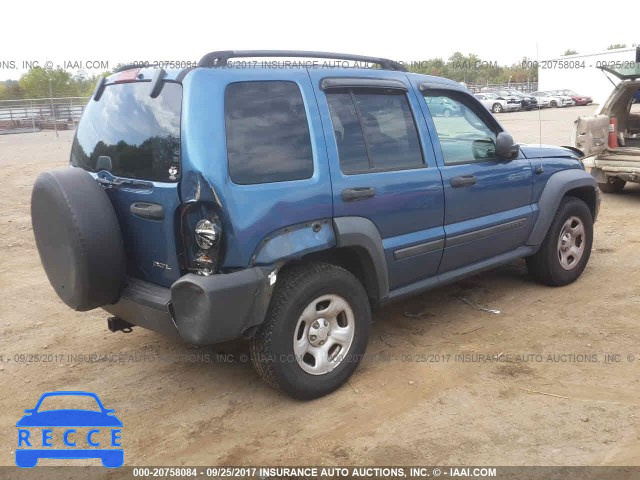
[546, 99]
[497, 104]
[566, 99]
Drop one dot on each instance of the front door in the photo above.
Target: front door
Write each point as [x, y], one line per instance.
[488, 200]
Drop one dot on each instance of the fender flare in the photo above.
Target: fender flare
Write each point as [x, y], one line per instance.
[361, 232]
[557, 186]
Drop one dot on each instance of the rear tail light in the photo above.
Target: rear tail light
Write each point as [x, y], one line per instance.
[207, 233]
[201, 239]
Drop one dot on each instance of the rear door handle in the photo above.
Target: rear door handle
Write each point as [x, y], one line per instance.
[358, 193]
[463, 181]
[150, 211]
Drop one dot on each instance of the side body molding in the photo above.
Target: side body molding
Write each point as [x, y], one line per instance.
[557, 186]
[361, 232]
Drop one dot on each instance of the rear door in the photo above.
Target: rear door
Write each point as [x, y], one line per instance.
[382, 166]
[131, 141]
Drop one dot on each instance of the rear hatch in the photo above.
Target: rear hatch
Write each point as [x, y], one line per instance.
[628, 71]
[129, 139]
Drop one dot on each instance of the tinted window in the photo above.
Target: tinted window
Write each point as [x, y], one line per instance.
[374, 130]
[348, 132]
[267, 133]
[464, 138]
[139, 134]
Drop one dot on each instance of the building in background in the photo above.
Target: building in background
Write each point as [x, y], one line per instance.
[580, 73]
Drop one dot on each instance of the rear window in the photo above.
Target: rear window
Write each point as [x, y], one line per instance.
[267, 132]
[140, 135]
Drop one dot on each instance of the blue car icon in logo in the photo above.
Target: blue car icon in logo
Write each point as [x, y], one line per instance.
[84, 433]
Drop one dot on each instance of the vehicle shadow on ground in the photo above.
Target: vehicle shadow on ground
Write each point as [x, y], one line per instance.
[437, 317]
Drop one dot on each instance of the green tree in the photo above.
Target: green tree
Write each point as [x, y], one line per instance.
[85, 84]
[10, 90]
[472, 69]
[43, 82]
[569, 51]
[615, 46]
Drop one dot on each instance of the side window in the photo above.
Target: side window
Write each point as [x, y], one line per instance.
[268, 136]
[464, 136]
[374, 130]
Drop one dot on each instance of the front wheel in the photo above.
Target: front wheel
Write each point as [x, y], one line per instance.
[566, 249]
[553, 104]
[613, 185]
[315, 332]
[497, 108]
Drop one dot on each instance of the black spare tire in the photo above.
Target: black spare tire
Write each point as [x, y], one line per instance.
[78, 238]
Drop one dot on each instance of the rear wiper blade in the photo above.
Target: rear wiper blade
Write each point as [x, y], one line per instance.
[118, 182]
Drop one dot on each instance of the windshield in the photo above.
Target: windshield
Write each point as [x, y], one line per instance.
[131, 134]
[69, 402]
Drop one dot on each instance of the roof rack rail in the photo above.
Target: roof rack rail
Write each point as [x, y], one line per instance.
[220, 58]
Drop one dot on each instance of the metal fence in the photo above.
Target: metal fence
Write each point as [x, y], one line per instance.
[34, 114]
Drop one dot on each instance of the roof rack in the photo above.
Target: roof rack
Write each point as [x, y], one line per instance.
[220, 58]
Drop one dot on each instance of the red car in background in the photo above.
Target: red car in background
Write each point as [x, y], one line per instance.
[579, 99]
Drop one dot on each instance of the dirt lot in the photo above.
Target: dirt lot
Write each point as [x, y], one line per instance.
[411, 402]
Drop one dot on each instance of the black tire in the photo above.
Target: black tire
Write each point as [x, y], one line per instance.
[272, 350]
[545, 265]
[613, 185]
[553, 104]
[78, 238]
[497, 108]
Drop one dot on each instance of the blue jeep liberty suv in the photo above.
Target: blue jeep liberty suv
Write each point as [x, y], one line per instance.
[281, 204]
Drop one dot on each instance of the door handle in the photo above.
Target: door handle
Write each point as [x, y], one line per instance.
[358, 193]
[150, 211]
[463, 181]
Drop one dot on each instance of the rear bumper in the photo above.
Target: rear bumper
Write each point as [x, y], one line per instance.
[200, 310]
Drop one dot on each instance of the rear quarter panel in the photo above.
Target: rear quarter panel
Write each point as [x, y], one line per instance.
[248, 213]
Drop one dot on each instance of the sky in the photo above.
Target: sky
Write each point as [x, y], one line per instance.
[117, 31]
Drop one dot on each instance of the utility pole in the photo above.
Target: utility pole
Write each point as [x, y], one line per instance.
[53, 112]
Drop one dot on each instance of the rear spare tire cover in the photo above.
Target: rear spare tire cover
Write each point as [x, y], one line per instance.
[78, 238]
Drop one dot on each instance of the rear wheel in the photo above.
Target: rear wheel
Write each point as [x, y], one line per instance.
[497, 108]
[566, 249]
[613, 185]
[315, 332]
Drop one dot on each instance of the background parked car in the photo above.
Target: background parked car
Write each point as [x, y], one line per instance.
[577, 98]
[443, 106]
[546, 99]
[505, 94]
[527, 102]
[496, 103]
[566, 99]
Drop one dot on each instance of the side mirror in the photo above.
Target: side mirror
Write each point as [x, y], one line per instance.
[505, 148]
